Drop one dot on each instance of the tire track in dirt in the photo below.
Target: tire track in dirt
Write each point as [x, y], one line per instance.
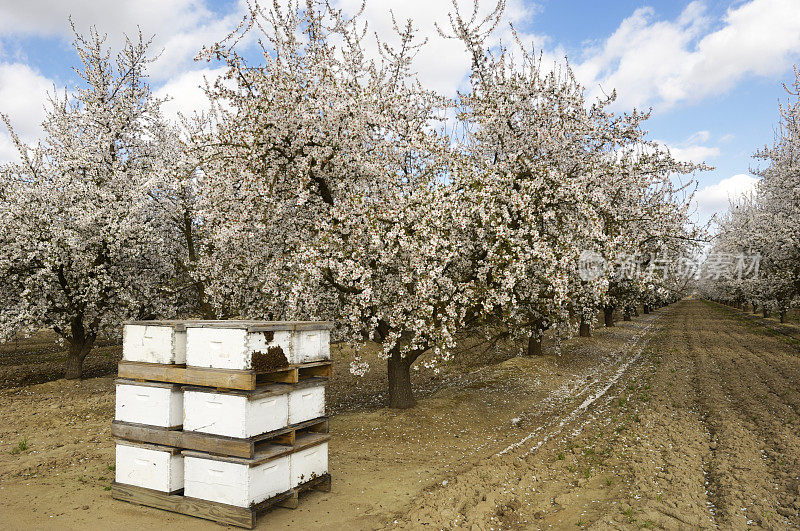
[556, 426]
[665, 453]
[506, 490]
[758, 370]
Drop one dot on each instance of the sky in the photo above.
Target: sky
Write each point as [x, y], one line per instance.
[712, 71]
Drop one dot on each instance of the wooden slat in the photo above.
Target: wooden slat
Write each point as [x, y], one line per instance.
[216, 444]
[290, 376]
[266, 452]
[320, 363]
[147, 434]
[149, 446]
[320, 371]
[289, 502]
[322, 483]
[156, 372]
[285, 439]
[183, 439]
[320, 423]
[220, 378]
[228, 379]
[218, 512]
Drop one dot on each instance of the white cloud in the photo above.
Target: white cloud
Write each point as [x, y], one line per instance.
[715, 198]
[662, 63]
[693, 149]
[23, 93]
[695, 154]
[8, 151]
[48, 17]
[185, 92]
[179, 27]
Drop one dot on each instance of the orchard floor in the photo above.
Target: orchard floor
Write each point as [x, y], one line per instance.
[688, 417]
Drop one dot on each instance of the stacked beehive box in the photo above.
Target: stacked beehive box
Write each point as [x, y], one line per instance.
[221, 419]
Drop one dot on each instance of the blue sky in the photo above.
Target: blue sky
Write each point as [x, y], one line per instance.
[712, 70]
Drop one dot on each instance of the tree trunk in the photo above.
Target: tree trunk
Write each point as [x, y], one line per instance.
[626, 314]
[635, 311]
[765, 311]
[646, 309]
[77, 353]
[608, 315]
[783, 316]
[586, 330]
[535, 344]
[755, 308]
[401, 395]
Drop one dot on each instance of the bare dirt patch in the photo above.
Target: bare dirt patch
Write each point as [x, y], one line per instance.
[381, 459]
[685, 418]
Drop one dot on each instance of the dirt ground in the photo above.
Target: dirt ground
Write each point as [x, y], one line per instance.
[39, 359]
[685, 418]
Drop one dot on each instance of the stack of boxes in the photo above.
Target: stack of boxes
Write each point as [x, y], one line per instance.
[238, 418]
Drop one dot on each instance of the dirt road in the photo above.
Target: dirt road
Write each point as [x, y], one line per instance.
[703, 430]
[689, 417]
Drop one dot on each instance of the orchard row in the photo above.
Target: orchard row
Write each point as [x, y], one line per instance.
[327, 182]
[766, 223]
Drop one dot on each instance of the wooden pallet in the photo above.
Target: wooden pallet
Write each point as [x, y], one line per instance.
[218, 512]
[222, 378]
[278, 442]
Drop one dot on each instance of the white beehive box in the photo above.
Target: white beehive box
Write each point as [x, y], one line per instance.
[153, 403]
[255, 345]
[154, 341]
[308, 464]
[234, 481]
[306, 401]
[311, 343]
[149, 466]
[236, 414]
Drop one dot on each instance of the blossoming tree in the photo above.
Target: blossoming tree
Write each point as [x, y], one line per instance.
[325, 198]
[766, 225]
[80, 251]
[552, 176]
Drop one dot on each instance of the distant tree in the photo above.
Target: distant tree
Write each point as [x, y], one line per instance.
[175, 190]
[766, 224]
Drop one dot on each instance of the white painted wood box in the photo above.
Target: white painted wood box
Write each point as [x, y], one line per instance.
[308, 464]
[234, 481]
[306, 401]
[258, 345]
[236, 414]
[149, 466]
[153, 403]
[154, 341]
